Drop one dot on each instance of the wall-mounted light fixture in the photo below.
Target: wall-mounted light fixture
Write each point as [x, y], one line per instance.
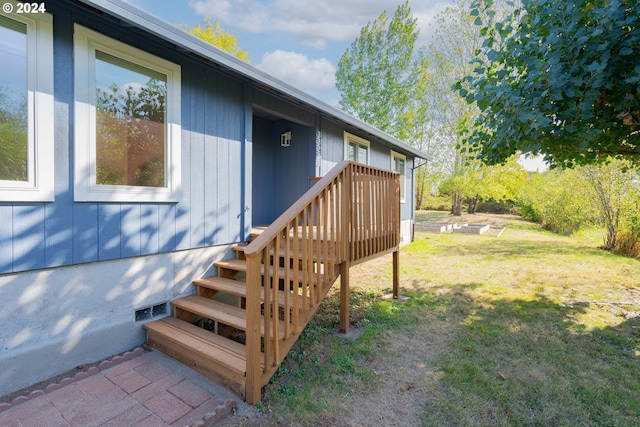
[285, 139]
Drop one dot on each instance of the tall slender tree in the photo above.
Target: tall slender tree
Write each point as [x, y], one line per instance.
[381, 76]
[383, 80]
[454, 45]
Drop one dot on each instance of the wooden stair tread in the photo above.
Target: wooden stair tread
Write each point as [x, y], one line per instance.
[228, 286]
[232, 264]
[238, 288]
[240, 265]
[224, 313]
[226, 352]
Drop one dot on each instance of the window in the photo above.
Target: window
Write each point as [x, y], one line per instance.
[127, 135]
[398, 164]
[356, 148]
[26, 108]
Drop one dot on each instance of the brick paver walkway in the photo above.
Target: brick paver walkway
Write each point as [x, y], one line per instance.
[142, 391]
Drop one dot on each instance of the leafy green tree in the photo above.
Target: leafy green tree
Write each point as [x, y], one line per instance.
[383, 80]
[478, 181]
[560, 78]
[215, 35]
[454, 44]
[381, 77]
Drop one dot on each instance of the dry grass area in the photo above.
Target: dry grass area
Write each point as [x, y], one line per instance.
[529, 328]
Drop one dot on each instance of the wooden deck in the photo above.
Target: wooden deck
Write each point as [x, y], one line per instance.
[240, 324]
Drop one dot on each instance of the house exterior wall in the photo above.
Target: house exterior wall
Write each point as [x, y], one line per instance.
[72, 274]
[64, 232]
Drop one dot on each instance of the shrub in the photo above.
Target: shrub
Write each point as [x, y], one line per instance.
[628, 241]
[493, 207]
[436, 203]
[557, 200]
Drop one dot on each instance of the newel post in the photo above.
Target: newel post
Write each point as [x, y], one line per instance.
[253, 388]
[344, 297]
[396, 275]
[396, 253]
[346, 249]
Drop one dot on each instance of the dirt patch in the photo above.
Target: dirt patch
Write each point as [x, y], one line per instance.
[405, 376]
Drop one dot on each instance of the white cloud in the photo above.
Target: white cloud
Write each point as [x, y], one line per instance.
[314, 24]
[298, 70]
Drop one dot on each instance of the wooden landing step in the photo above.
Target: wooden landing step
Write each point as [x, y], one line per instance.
[238, 288]
[220, 312]
[214, 356]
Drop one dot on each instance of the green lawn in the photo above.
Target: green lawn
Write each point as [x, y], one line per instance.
[529, 328]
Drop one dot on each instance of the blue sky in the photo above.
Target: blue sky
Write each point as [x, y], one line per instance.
[297, 41]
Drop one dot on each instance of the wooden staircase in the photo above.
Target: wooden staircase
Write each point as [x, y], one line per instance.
[240, 324]
[207, 332]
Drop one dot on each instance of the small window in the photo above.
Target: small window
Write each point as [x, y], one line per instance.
[127, 122]
[398, 164]
[26, 108]
[356, 148]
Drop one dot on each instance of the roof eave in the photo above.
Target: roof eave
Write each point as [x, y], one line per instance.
[151, 24]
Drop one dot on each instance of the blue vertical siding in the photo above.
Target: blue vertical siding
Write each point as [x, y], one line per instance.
[42, 235]
[293, 165]
[281, 175]
[196, 125]
[85, 232]
[28, 235]
[59, 215]
[110, 236]
[264, 170]
[6, 238]
[217, 136]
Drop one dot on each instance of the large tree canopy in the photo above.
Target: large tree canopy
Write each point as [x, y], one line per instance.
[559, 78]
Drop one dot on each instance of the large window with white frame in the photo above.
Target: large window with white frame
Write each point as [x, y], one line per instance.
[356, 148]
[26, 107]
[399, 164]
[127, 122]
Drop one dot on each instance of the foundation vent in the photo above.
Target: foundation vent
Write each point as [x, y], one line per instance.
[151, 312]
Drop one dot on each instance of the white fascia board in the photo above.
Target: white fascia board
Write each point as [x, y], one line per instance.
[141, 19]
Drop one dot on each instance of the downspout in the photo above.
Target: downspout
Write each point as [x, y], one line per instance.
[413, 212]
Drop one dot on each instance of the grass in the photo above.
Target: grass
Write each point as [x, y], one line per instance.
[529, 328]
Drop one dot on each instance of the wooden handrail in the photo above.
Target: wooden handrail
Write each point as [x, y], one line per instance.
[267, 235]
[350, 215]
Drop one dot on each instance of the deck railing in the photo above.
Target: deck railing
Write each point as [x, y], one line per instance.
[352, 214]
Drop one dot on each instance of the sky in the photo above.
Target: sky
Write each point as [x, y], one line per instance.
[297, 41]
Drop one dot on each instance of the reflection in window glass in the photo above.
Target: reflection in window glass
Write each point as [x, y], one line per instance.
[357, 152]
[363, 154]
[130, 119]
[398, 166]
[14, 153]
[352, 152]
